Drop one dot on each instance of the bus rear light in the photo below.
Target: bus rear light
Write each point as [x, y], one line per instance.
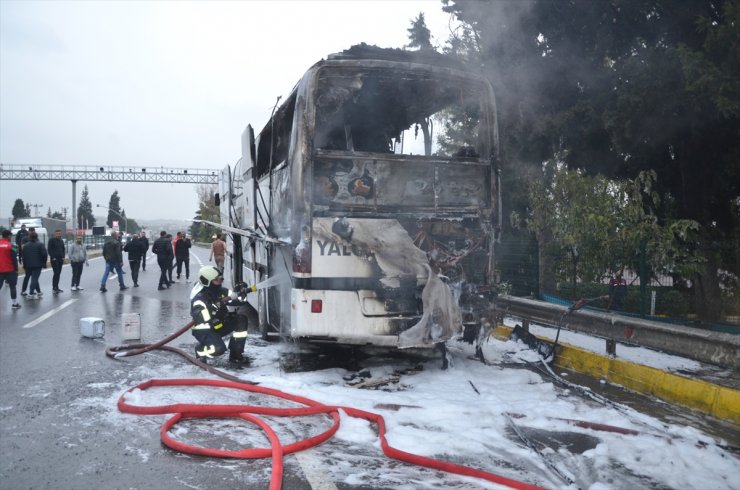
[317, 305]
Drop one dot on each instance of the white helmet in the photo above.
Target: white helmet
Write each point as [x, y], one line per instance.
[207, 274]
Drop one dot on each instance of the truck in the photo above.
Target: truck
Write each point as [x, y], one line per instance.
[44, 226]
[369, 202]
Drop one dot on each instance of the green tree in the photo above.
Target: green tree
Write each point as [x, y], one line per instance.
[573, 217]
[589, 226]
[85, 218]
[123, 222]
[419, 35]
[128, 225]
[208, 211]
[133, 226]
[55, 214]
[114, 211]
[20, 210]
[620, 88]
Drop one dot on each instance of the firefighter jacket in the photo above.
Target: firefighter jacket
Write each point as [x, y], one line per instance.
[8, 257]
[208, 308]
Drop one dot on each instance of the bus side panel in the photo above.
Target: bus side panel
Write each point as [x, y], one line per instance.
[250, 212]
[224, 190]
[226, 193]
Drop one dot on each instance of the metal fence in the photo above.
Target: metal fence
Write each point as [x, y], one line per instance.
[91, 242]
[648, 294]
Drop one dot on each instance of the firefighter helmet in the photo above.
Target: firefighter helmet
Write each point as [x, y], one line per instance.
[207, 274]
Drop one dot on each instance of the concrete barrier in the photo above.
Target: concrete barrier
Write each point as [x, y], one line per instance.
[720, 401]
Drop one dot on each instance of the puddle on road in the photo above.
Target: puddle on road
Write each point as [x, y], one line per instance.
[574, 442]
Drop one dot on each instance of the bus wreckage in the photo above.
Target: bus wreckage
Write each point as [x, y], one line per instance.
[370, 200]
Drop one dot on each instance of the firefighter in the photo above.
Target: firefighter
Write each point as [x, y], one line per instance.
[212, 319]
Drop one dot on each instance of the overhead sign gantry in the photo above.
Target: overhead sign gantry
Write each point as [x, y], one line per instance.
[107, 173]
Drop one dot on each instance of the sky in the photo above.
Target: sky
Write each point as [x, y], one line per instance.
[163, 83]
[457, 415]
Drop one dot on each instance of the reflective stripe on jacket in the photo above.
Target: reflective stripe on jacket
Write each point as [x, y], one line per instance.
[207, 310]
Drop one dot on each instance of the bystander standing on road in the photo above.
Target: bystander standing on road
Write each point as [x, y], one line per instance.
[172, 259]
[20, 237]
[26, 276]
[9, 267]
[113, 256]
[136, 251]
[218, 252]
[77, 259]
[162, 248]
[56, 250]
[145, 241]
[34, 259]
[182, 254]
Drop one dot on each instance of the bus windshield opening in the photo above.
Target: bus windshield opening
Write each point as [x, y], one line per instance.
[403, 113]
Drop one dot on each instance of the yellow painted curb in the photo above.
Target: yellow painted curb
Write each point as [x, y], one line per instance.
[720, 401]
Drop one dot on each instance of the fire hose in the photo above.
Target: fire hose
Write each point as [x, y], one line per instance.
[182, 411]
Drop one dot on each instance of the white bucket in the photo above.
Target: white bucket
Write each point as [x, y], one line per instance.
[92, 327]
[131, 326]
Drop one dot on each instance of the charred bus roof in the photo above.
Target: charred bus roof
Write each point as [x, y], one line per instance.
[425, 57]
[368, 56]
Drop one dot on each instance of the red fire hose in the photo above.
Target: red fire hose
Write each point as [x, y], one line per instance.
[276, 450]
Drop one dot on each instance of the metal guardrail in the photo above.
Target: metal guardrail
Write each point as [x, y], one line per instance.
[717, 348]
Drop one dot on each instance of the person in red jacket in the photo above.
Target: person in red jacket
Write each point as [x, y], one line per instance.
[9, 266]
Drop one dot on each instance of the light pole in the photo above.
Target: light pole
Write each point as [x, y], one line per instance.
[125, 221]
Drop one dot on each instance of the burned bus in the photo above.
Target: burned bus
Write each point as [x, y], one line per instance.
[369, 202]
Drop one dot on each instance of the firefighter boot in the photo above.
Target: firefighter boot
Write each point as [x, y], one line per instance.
[238, 359]
[198, 357]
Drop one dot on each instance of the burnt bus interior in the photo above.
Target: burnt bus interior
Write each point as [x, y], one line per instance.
[415, 145]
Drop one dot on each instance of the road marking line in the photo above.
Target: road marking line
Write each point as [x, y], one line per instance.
[311, 467]
[49, 314]
[49, 269]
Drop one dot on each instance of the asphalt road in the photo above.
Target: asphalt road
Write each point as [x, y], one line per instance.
[47, 440]
[59, 426]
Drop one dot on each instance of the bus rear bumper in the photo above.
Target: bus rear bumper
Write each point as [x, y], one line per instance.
[338, 316]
